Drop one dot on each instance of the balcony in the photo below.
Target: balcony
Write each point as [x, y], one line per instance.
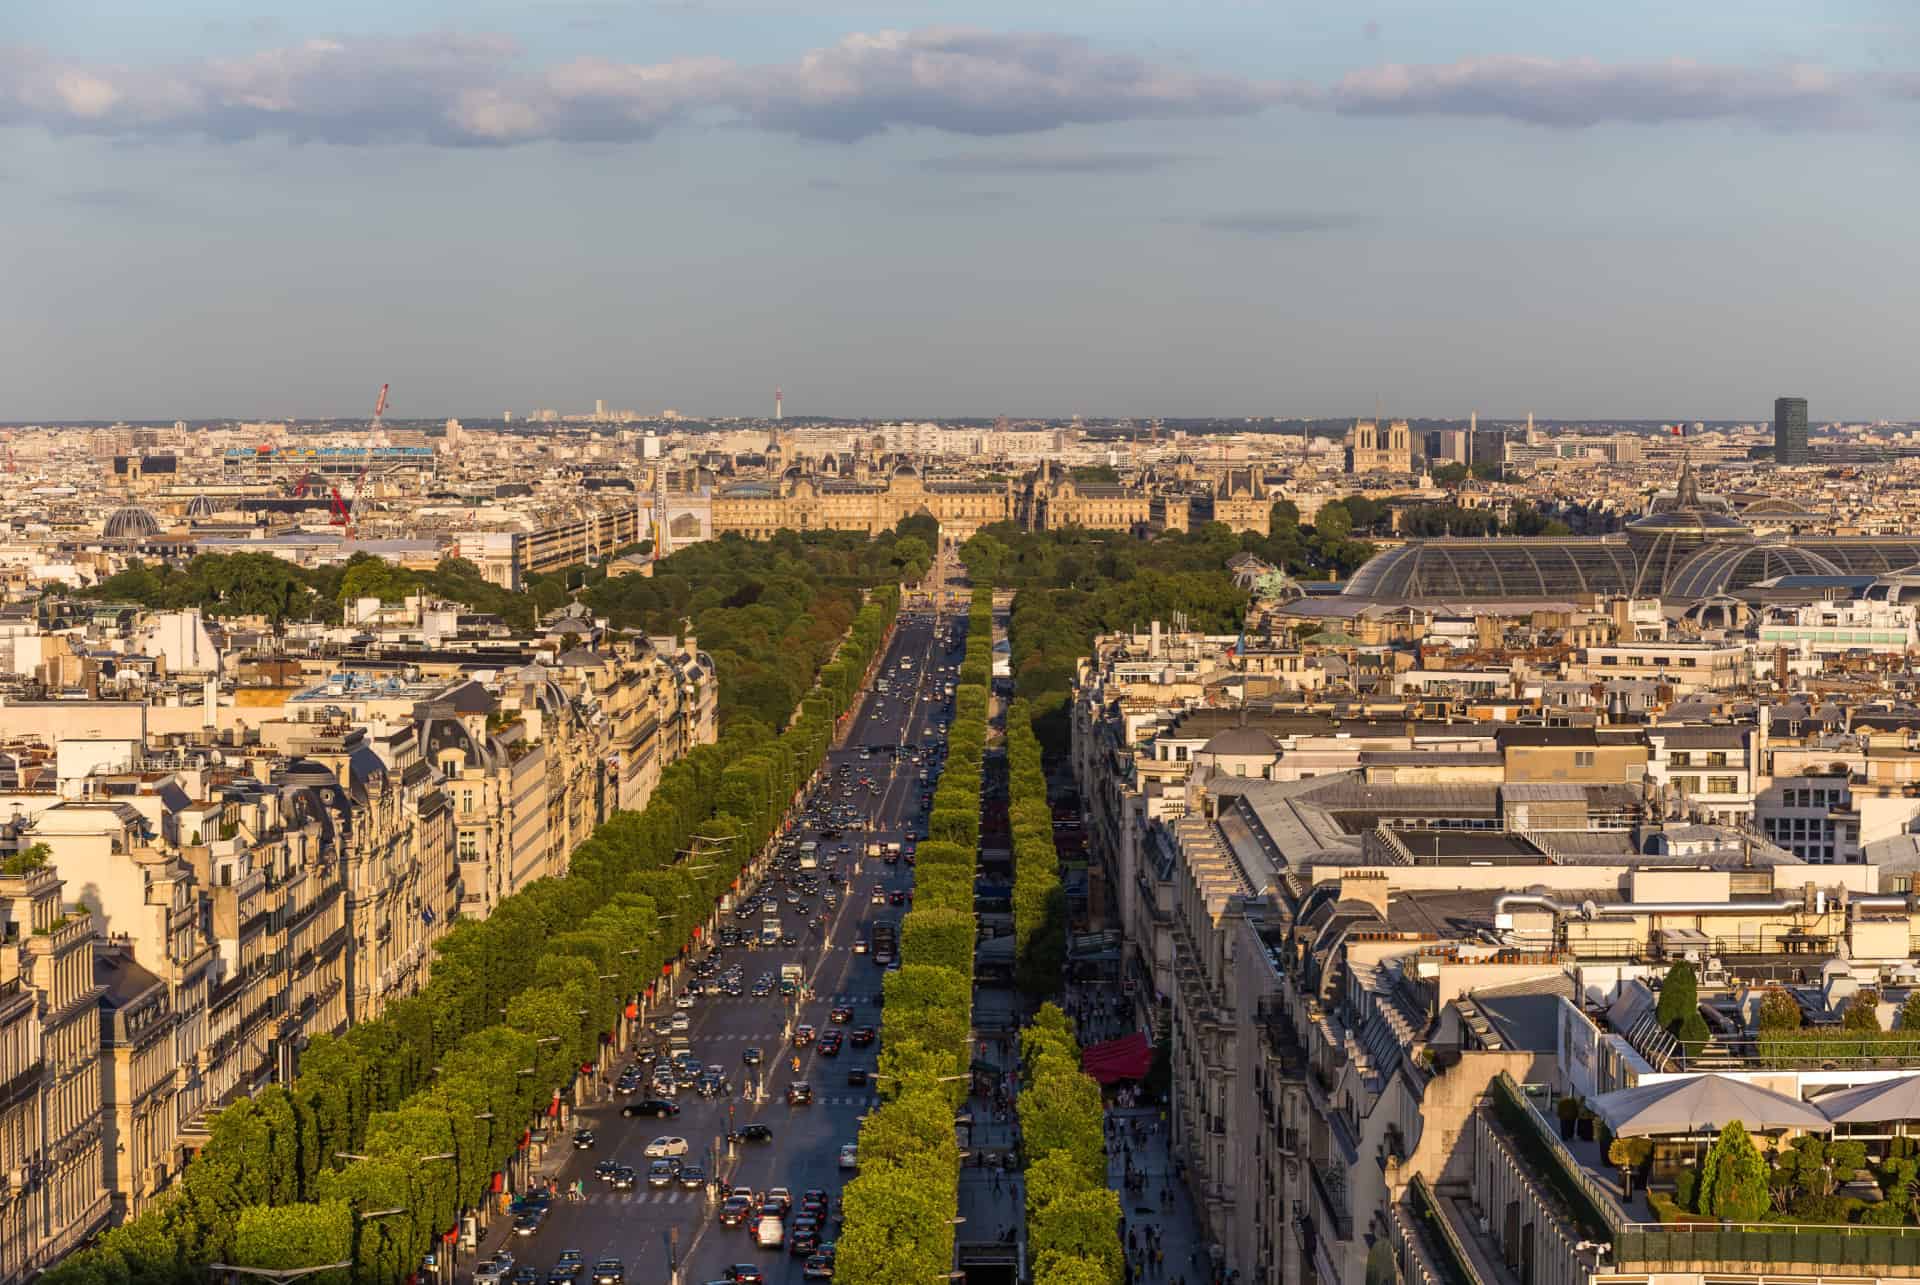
[1335, 1211]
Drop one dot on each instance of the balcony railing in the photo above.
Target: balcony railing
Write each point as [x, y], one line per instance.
[1435, 1241]
[1339, 1217]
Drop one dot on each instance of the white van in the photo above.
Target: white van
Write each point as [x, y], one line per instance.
[769, 1233]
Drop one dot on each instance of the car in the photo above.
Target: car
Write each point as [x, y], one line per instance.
[734, 1210]
[497, 1268]
[813, 1202]
[666, 1147]
[840, 1015]
[769, 1232]
[799, 1094]
[788, 939]
[530, 1222]
[605, 1169]
[861, 1036]
[685, 1001]
[780, 1196]
[897, 898]
[693, 1177]
[527, 1274]
[680, 1022]
[661, 1173]
[663, 1026]
[657, 1108]
[583, 1139]
[829, 1044]
[856, 1077]
[751, 1056]
[804, 1237]
[532, 1200]
[609, 1271]
[561, 1275]
[819, 1267]
[802, 1036]
[879, 897]
[745, 1274]
[570, 1258]
[850, 1156]
[753, 1133]
[859, 945]
[624, 1178]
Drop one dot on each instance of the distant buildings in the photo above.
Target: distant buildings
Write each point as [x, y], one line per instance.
[1790, 430]
[1369, 450]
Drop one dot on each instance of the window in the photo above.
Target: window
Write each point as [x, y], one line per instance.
[1687, 784]
[469, 846]
[1583, 758]
[1680, 758]
[1716, 758]
[1723, 785]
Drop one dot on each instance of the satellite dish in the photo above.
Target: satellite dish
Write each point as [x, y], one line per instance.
[1588, 910]
[216, 758]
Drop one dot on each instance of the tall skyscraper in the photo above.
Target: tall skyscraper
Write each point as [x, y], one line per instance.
[1790, 430]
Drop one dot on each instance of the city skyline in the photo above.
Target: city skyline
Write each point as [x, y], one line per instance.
[1115, 211]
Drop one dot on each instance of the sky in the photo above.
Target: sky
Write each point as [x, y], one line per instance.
[255, 208]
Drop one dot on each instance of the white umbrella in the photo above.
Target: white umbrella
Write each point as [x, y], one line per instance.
[1881, 1102]
[1702, 1102]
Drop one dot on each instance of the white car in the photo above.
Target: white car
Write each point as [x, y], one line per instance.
[661, 1148]
[680, 1022]
[685, 1001]
[850, 1156]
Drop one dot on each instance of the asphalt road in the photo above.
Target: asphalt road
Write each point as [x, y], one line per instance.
[633, 1226]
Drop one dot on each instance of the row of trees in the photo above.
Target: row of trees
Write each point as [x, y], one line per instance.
[1073, 1217]
[1073, 584]
[277, 591]
[389, 1130]
[768, 612]
[900, 1210]
[1039, 899]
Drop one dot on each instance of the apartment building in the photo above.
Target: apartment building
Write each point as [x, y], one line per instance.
[211, 885]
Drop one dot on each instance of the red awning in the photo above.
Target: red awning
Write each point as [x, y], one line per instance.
[1126, 1058]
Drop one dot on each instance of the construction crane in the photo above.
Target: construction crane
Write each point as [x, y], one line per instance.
[379, 409]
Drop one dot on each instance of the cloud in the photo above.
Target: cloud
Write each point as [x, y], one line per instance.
[1278, 224]
[1572, 93]
[455, 89]
[1067, 163]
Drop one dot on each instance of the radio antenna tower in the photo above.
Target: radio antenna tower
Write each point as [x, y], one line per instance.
[779, 411]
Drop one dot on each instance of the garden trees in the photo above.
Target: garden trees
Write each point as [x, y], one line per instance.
[1779, 1011]
[1733, 1179]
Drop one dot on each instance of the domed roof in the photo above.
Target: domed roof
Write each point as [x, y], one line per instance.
[1686, 510]
[1721, 568]
[906, 470]
[200, 507]
[131, 523]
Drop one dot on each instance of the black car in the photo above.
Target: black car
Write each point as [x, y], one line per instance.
[857, 1077]
[624, 1178]
[804, 1238]
[583, 1139]
[819, 1267]
[861, 1036]
[746, 1274]
[799, 1094]
[751, 1056]
[656, 1108]
[753, 1133]
[609, 1271]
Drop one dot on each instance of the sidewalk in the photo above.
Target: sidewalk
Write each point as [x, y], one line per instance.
[1157, 1214]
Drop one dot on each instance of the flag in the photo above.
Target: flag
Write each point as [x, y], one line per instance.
[1679, 430]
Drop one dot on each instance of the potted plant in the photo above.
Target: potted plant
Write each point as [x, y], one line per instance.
[1628, 1154]
[1568, 1109]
